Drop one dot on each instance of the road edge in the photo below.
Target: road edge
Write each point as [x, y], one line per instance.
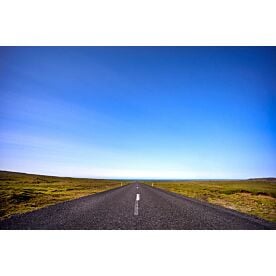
[257, 220]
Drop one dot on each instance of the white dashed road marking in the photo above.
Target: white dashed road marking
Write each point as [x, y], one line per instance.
[136, 205]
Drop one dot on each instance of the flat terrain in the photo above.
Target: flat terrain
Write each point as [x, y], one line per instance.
[116, 207]
[255, 197]
[135, 206]
[20, 193]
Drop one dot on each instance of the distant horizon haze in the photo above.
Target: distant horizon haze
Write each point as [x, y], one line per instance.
[147, 179]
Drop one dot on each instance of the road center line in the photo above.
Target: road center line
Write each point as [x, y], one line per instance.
[136, 205]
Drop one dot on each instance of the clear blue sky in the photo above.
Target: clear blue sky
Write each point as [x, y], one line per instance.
[139, 112]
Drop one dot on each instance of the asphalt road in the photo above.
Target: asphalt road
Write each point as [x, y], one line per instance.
[135, 206]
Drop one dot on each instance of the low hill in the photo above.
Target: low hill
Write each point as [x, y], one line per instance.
[273, 179]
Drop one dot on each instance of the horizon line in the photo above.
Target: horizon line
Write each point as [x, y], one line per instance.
[141, 179]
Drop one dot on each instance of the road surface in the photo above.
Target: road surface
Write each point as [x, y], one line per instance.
[135, 206]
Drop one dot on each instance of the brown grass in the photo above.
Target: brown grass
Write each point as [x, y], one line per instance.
[20, 193]
[255, 197]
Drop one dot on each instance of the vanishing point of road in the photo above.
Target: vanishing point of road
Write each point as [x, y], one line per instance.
[134, 206]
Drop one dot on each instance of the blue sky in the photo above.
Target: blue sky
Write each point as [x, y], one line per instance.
[139, 112]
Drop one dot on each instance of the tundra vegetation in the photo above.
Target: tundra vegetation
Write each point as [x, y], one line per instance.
[20, 193]
[255, 196]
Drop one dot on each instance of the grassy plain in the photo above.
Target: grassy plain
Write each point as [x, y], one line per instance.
[20, 193]
[255, 197]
